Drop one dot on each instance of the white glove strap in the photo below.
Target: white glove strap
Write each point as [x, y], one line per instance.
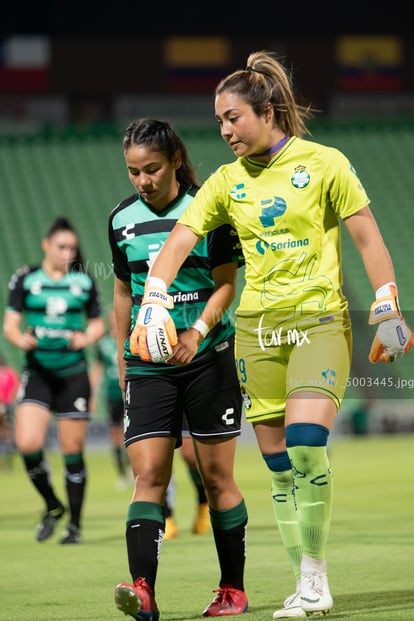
[389, 289]
[202, 327]
[385, 305]
[154, 282]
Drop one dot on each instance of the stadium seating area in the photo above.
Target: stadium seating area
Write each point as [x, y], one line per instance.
[82, 174]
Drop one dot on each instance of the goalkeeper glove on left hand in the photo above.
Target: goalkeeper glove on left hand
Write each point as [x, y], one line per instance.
[154, 334]
[393, 337]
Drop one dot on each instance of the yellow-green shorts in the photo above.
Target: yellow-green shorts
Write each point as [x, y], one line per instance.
[274, 364]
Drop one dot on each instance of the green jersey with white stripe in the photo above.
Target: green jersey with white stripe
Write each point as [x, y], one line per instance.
[53, 310]
[137, 233]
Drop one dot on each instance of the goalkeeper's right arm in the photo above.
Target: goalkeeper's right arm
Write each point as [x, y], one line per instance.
[172, 255]
[154, 334]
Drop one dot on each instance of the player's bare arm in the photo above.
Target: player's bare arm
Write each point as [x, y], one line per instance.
[370, 244]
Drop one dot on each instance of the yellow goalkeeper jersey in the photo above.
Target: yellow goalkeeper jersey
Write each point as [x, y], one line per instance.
[287, 214]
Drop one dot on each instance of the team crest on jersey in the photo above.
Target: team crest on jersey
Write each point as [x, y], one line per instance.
[75, 289]
[330, 376]
[300, 177]
[35, 288]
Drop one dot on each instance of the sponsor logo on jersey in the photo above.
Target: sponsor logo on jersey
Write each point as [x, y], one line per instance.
[41, 332]
[128, 232]
[272, 208]
[185, 296]
[56, 305]
[237, 191]
[262, 246]
[153, 250]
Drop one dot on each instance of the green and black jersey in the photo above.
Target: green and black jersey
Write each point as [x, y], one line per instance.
[54, 309]
[136, 235]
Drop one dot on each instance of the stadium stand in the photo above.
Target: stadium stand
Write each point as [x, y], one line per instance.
[81, 173]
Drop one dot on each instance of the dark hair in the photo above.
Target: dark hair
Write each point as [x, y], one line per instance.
[161, 135]
[63, 224]
[265, 80]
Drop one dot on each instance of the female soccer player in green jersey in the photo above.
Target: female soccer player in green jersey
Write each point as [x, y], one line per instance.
[53, 313]
[200, 381]
[285, 196]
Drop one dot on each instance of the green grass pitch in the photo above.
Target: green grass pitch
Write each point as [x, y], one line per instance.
[370, 551]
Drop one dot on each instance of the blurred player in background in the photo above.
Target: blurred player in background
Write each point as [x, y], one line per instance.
[285, 196]
[47, 309]
[9, 382]
[105, 378]
[199, 381]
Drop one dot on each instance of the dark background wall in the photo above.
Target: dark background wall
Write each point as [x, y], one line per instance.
[102, 51]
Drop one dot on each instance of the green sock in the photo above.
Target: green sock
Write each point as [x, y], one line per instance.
[229, 530]
[313, 493]
[286, 516]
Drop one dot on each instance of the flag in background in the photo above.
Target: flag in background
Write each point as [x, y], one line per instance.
[196, 64]
[24, 64]
[371, 63]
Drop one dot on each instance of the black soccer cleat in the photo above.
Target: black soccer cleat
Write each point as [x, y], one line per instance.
[47, 524]
[72, 535]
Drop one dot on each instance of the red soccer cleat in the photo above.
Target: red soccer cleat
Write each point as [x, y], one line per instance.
[136, 600]
[228, 601]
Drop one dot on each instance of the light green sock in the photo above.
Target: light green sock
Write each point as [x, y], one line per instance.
[313, 493]
[283, 502]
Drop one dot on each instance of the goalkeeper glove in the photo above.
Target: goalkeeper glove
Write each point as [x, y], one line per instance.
[154, 334]
[393, 337]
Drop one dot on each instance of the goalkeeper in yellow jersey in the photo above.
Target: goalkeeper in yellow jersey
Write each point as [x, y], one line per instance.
[286, 196]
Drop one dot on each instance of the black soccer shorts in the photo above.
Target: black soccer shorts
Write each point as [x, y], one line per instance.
[206, 391]
[67, 397]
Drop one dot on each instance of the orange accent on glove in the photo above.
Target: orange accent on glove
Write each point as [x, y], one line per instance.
[381, 353]
[154, 333]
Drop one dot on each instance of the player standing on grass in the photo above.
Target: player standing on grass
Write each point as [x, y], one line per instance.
[285, 197]
[52, 301]
[200, 380]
